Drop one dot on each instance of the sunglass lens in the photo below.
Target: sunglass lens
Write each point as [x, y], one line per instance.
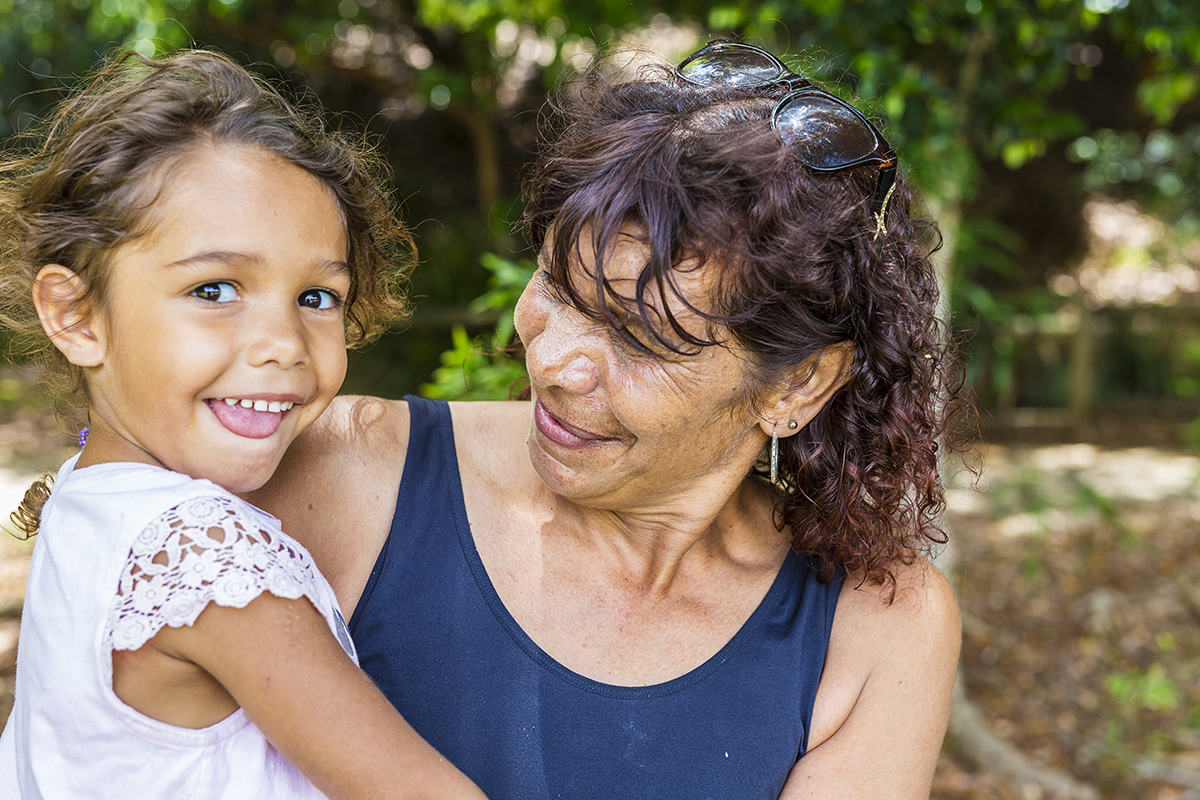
[823, 132]
[731, 68]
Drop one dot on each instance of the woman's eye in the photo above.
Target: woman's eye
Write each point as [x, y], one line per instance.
[320, 299]
[629, 343]
[216, 292]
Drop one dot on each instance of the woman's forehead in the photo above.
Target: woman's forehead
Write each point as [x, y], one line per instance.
[623, 260]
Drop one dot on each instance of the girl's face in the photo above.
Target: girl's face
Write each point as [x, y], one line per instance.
[620, 429]
[221, 336]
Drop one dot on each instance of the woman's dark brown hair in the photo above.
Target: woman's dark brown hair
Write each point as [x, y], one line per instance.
[702, 178]
[89, 182]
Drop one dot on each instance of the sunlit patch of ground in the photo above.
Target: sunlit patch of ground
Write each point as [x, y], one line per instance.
[1078, 570]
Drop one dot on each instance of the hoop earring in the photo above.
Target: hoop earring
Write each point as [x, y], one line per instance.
[792, 425]
[774, 456]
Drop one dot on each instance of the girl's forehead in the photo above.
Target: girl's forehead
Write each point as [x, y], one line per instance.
[241, 202]
[232, 176]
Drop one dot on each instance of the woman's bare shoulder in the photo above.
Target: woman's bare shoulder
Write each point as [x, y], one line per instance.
[352, 422]
[882, 637]
[921, 595]
[884, 698]
[491, 418]
[335, 490]
[354, 435]
[493, 459]
[491, 435]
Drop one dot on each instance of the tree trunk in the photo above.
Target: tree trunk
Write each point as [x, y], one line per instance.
[487, 161]
[969, 735]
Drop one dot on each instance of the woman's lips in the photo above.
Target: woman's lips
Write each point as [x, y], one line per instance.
[560, 432]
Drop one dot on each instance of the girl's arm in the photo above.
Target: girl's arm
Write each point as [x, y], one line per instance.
[884, 698]
[282, 664]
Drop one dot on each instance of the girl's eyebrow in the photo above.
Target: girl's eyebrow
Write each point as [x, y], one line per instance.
[337, 267]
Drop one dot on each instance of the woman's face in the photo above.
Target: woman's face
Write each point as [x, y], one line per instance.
[617, 428]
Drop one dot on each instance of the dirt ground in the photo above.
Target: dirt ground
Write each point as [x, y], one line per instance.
[1078, 572]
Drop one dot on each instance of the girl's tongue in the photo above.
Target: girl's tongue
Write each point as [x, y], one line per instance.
[246, 421]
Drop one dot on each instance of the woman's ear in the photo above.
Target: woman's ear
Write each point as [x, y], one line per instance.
[813, 384]
[57, 295]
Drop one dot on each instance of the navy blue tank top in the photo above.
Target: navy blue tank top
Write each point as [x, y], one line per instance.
[432, 632]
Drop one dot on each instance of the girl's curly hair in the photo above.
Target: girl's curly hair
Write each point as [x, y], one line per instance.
[702, 178]
[87, 182]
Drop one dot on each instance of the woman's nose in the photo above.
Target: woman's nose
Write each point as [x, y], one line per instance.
[562, 347]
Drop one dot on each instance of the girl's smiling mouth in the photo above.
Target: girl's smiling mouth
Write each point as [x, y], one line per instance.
[251, 418]
[274, 406]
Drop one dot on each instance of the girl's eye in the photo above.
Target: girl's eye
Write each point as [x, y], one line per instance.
[216, 292]
[320, 299]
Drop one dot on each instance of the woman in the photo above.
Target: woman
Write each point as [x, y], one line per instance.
[691, 565]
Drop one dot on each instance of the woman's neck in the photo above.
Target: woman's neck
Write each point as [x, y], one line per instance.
[650, 544]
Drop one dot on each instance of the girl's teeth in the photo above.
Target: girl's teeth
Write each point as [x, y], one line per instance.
[273, 406]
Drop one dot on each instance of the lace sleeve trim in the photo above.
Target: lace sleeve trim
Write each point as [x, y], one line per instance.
[204, 550]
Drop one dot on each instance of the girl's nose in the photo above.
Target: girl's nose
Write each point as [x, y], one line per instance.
[279, 338]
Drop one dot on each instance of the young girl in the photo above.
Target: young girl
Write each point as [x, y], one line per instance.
[197, 252]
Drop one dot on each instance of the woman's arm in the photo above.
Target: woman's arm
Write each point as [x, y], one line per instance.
[282, 664]
[884, 698]
[335, 490]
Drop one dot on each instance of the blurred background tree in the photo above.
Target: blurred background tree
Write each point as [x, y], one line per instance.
[1010, 114]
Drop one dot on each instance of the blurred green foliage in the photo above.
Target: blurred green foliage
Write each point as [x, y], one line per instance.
[1005, 112]
[486, 369]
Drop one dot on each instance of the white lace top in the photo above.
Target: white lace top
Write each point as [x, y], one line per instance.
[124, 550]
[209, 549]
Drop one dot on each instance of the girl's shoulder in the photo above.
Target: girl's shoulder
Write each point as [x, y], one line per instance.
[121, 498]
[207, 548]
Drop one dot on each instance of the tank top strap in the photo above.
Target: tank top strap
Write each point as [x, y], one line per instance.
[429, 486]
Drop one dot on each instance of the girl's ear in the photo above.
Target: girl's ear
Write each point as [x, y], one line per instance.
[814, 383]
[57, 295]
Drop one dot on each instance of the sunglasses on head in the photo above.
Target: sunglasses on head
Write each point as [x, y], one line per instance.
[824, 132]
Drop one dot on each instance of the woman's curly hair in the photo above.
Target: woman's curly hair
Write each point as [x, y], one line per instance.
[88, 179]
[703, 179]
